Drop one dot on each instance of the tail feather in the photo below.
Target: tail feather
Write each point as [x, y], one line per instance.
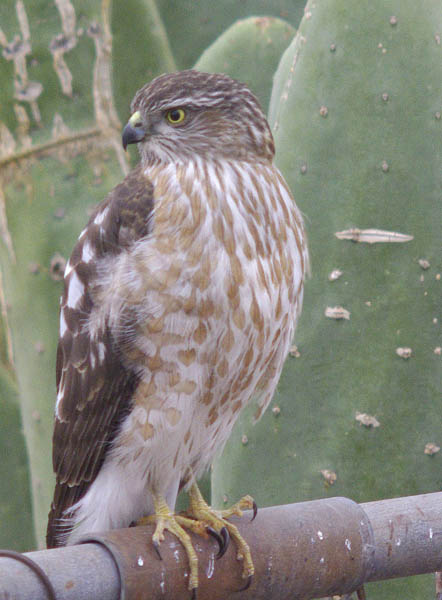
[60, 526]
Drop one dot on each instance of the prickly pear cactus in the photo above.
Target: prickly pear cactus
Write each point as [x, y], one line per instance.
[16, 529]
[356, 114]
[249, 51]
[193, 26]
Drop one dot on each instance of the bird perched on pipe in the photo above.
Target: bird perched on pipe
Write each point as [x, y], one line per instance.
[180, 302]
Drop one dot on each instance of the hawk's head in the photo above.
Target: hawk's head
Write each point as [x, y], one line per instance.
[184, 115]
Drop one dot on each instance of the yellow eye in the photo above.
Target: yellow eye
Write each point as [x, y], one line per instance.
[176, 116]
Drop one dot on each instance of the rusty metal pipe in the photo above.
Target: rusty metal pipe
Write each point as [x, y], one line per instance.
[407, 535]
[305, 550]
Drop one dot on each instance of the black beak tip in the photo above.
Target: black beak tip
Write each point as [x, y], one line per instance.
[132, 135]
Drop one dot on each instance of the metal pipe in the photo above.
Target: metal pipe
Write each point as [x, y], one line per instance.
[305, 550]
[407, 535]
[84, 572]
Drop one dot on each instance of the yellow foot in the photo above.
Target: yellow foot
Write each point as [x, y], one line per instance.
[166, 520]
[215, 521]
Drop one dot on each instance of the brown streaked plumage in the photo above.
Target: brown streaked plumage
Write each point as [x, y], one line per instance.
[180, 303]
[87, 420]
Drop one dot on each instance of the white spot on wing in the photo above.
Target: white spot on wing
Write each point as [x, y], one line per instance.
[59, 400]
[75, 291]
[63, 326]
[87, 253]
[101, 216]
[68, 268]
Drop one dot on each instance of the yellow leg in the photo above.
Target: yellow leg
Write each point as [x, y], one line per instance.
[216, 519]
[166, 520]
[200, 518]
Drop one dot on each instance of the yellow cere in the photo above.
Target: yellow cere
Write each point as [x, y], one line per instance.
[135, 119]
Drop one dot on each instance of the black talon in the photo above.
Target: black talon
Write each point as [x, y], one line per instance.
[247, 584]
[194, 594]
[157, 549]
[219, 539]
[255, 510]
[226, 540]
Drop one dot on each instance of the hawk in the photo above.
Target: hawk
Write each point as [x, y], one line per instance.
[180, 302]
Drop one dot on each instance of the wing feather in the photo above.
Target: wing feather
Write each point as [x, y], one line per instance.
[95, 388]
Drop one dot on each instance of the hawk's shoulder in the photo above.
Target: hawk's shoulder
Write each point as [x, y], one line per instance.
[94, 387]
[122, 218]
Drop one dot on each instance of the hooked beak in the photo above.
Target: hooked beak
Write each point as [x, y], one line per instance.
[134, 131]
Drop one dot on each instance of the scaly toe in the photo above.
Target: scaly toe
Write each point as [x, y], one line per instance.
[216, 520]
[166, 520]
[246, 503]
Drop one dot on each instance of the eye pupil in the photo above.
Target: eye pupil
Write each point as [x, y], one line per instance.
[176, 115]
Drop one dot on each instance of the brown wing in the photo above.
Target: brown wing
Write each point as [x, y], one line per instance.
[94, 387]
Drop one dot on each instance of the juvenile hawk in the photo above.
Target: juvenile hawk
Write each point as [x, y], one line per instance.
[181, 299]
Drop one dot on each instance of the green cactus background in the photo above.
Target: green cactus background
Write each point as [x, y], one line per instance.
[355, 102]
